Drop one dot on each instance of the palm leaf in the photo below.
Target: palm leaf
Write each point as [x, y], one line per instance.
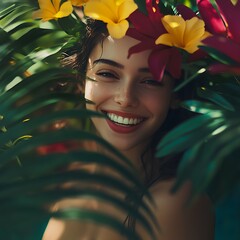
[29, 181]
[210, 141]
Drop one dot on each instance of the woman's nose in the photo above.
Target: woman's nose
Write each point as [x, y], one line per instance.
[126, 95]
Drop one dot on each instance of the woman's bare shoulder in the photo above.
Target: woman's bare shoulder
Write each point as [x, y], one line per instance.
[179, 219]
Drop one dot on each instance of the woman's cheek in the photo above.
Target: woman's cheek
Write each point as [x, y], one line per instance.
[89, 89]
[97, 92]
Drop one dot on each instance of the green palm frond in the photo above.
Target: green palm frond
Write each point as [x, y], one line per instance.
[29, 181]
[210, 140]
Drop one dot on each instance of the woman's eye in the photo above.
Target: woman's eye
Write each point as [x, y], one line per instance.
[106, 74]
[152, 82]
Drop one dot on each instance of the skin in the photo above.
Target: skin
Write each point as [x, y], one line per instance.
[124, 86]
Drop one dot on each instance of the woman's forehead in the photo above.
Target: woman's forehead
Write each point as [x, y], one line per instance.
[118, 50]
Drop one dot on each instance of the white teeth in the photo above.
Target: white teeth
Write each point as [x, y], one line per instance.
[120, 119]
[124, 121]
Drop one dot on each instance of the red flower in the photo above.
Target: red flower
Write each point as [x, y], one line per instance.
[224, 24]
[55, 148]
[147, 28]
[229, 48]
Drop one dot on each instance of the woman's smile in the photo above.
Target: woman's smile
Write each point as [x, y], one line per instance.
[122, 122]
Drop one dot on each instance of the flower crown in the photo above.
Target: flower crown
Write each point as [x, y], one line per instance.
[177, 35]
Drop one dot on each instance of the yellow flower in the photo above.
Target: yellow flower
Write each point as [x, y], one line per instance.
[52, 9]
[112, 12]
[78, 3]
[185, 34]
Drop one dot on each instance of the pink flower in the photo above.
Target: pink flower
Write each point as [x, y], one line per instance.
[147, 29]
[224, 24]
[231, 49]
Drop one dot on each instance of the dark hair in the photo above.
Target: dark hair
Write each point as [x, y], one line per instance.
[77, 59]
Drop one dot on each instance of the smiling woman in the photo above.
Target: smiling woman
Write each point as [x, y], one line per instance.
[139, 110]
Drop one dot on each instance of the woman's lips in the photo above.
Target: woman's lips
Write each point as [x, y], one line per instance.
[121, 122]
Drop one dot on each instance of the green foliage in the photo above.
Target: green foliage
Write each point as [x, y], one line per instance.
[30, 181]
[210, 140]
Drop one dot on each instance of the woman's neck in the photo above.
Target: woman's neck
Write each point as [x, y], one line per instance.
[139, 156]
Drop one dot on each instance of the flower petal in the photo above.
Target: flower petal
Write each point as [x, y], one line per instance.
[153, 12]
[195, 33]
[186, 12]
[37, 14]
[165, 59]
[165, 39]
[222, 68]
[142, 23]
[213, 21]
[174, 63]
[99, 11]
[118, 30]
[231, 14]
[175, 25]
[224, 45]
[194, 28]
[46, 5]
[65, 10]
[56, 4]
[140, 47]
[157, 62]
[126, 8]
[44, 15]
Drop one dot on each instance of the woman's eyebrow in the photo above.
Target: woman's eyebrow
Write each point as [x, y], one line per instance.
[109, 62]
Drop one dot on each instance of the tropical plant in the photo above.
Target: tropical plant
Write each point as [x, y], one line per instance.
[210, 139]
[30, 113]
[30, 179]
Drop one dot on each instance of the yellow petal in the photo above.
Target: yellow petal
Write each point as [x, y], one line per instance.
[194, 29]
[193, 46]
[165, 39]
[194, 34]
[119, 2]
[99, 11]
[118, 30]
[46, 4]
[46, 16]
[182, 34]
[56, 4]
[65, 10]
[37, 14]
[113, 12]
[126, 8]
[175, 25]
[113, 7]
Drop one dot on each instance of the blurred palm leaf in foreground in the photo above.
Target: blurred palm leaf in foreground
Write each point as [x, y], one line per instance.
[211, 146]
[210, 140]
[31, 181]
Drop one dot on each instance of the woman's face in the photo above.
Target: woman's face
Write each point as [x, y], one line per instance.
[124, 90]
